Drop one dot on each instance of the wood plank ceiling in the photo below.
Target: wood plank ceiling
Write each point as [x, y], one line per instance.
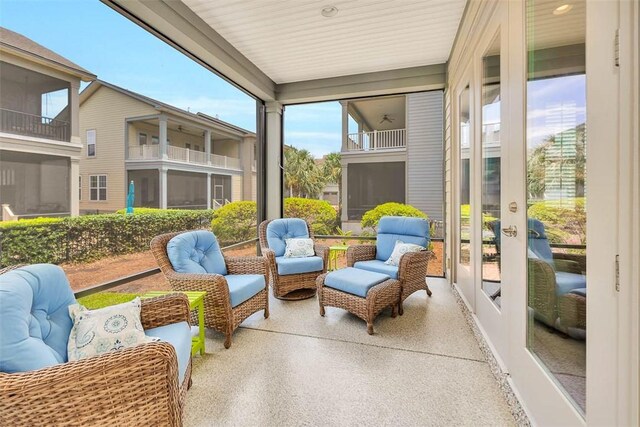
[290, 40]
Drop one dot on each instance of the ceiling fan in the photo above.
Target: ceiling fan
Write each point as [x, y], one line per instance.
[386, 118]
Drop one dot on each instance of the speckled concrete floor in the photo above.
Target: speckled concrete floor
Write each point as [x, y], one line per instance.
[297, 368]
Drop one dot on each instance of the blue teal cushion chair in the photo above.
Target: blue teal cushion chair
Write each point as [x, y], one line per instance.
[412, 269]
[235, 286]
[291, 278]
[557, 282]
[34, 333]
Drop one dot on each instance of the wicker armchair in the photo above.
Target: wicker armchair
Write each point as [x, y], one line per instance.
[412, 269]
[219, 314]
[136, 386]
[291, 286]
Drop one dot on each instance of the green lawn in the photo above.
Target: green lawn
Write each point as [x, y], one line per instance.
[105, 299]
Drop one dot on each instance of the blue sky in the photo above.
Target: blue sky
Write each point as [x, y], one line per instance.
[118, 51]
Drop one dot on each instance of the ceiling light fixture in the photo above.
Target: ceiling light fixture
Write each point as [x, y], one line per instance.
[329, 11]
[561, 10]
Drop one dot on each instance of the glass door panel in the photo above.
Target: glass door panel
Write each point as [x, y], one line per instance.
[464, 219]
[490, 171]
[556, 191]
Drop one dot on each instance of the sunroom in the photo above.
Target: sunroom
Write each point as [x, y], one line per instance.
[527, 209]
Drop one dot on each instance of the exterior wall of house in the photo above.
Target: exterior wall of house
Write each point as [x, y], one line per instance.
[425, 153]
[236, 188]
[226, 147]
[106, 111]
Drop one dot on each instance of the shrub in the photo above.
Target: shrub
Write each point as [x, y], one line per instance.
[235, 222]
[319, 213]
[565, 221]
[372, 217]
[90, 237]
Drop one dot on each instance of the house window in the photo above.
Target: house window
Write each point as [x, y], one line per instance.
[98, 187]
[80, 188]
[197, 148]
[187, 146]
[91, 143]
[142, 139]
[155, 140]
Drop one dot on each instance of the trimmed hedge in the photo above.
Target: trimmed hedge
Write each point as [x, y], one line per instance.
[320, 214]
[90, 237]
[235, 222]
[372, 217]
[565, 220]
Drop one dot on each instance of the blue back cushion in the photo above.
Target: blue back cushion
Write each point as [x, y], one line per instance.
[34, 318]
[196, 252]
[394, 228]
[279, 230]
[538, 241]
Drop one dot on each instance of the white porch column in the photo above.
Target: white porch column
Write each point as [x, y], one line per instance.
[207, 145]
[163, 188]
[345, 125]
[274, 160]
[208, 191]
[74, 111]
[74, 187]
[162, 120]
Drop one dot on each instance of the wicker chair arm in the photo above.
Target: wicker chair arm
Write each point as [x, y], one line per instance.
[215, 285]
[323, 252]
[567, 266]
[357, 253]
[164, 310]
[542, 290]
[413, 265]
[137, 385]
[270, 256]
[246, 265]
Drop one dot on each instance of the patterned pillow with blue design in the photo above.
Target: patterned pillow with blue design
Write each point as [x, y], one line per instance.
[104, 330]
[299, 248]
[400, 249]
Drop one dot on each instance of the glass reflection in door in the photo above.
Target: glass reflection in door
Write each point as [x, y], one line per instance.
[556, 191]
[491, 153]
[464, 220]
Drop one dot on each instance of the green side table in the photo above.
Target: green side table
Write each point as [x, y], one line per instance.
[333, 256]
[196, 302]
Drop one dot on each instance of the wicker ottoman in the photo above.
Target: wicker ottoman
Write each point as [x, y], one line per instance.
[360, 292]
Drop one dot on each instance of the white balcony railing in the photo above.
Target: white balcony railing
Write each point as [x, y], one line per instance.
[185, 155]
[377, 140]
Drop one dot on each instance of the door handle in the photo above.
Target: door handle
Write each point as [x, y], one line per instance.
[512, 231]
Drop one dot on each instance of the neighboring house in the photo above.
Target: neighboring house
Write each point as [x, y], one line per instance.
[392, 153]
[175, 158]
[331, 190]
[40, 143]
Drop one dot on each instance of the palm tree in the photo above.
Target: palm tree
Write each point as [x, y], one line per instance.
[332, 171]
[302, 177]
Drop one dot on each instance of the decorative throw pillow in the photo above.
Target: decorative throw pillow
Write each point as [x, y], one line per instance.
[100, 331]
[299, 248]
[400, 249]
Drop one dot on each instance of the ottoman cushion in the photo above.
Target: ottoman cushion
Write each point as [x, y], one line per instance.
[354, 281]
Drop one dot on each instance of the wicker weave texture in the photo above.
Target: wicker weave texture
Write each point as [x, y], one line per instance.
[218, 313]
[379, 297]
[131, 387]
[283, 285]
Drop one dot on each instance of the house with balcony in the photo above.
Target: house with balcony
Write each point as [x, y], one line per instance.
[40, 146]
[392, 151]
[175, 158]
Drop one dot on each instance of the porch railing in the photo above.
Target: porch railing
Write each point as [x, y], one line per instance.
[152, 152]
[377, 140]
[20, 123]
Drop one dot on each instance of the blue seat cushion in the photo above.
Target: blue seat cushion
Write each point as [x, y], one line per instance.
[34, 318]
[394, 228]
[567, 282]
[196, 252]
[244, 286]
[279, 230]
[288, 266]
[378, 266]
[179, 336]
[354, 281]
